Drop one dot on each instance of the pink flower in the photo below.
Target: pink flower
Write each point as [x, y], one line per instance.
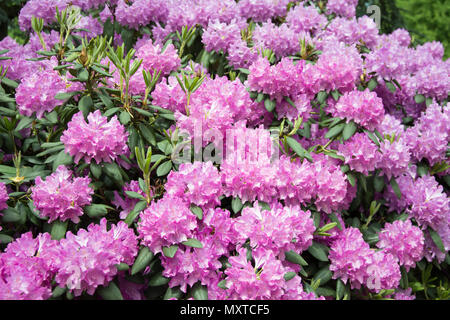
[26, 272]
[360, 153]
[198, 183]
[155, 59]
[36, 93]
[363, 107]
[404, 241]
[60, 196]
[166, 222]
[99, 139]
[279, 229]
[88, 259]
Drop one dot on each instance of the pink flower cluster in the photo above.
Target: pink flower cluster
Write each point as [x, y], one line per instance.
[26, 273]
[279, 229]
[156, 59]
[363, 107]
[404, 241]
[353, 260]
[89, 259]
[36, 93]
[100, 139]
[360, 153]
[60, 196]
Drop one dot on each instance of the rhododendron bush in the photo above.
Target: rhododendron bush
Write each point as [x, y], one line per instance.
[203, 149]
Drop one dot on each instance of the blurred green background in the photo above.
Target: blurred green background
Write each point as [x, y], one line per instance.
[427, 20]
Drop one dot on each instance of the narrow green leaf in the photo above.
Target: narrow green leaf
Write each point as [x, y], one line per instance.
[298, 149]
[236, 204]
[141, 205]
[194, 243]
[289, 275]
[318, 251]
[437, 240]
[96, 210]
[294, 257]
[143, 259]
[349, 130]
[335, 131]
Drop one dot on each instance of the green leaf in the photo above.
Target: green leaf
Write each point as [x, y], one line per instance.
[236, 205]
[65, 95]
[173, 293]
[96, 170]
[294, 257]
[419, 98]
[111, 292]
[270, 105]
[199, 292]
[164, 168]
[147, 133]
[351, 178]
[335, 219]
[327, 227]
[5, 239]
[289, 275]
[318, 251]
[10, 215]
[170, 252]
[197, 211]
[134, 195]
[396, 188]
[23, 123]
[96, 210]
[62, 159]
[391, 86]
[194, 243]
[124, 117]
[222, 284]
[335, 131]
[324, 275]
[106, 100]
[141, 205]
[340, 289]
[59, 229]
[158, 280]
[85, 105]
[58, 291]
[322, 96]
[372, 84]
[112, 170]
[378, 183]
[437, 240]
[143, 259]
[298, 149]
[335, 94]
[83, 75]
[10, 83]
[372, 137]
[349, 130]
